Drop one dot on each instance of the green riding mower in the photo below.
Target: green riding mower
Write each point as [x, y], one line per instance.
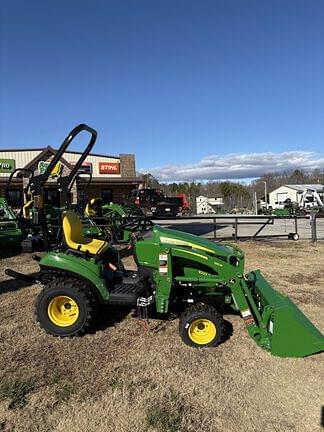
[121, 220]
[13, 226]
[10, 231]
[177, 273]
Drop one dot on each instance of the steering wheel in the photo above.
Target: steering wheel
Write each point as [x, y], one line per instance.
[136, 222]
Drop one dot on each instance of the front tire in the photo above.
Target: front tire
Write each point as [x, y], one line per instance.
[65, 307]
[201, 326]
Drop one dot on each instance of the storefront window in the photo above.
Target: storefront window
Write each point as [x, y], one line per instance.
[52, 197]
[15, 198]
[107, 195]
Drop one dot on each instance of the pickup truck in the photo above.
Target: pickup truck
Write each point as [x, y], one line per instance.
[153, 202]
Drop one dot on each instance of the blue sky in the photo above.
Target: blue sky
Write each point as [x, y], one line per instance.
[196, 89]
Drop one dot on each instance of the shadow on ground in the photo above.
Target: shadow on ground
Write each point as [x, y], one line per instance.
[109, 316]
[9, 285]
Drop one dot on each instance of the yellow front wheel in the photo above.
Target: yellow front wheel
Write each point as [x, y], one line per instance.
[201, 326]
[65, 307]
[202, 331]
[63, 311]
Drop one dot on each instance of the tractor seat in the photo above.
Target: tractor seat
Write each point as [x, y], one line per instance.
[75, 239]
[27, 209]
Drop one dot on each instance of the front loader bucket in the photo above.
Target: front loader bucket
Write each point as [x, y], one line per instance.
[290, 332]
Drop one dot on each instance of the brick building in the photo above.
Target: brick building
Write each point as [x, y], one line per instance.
[112, 176]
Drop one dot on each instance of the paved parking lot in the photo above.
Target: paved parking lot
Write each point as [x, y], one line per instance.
[246, 227]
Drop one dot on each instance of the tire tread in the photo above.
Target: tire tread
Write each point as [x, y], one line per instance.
[79, 287]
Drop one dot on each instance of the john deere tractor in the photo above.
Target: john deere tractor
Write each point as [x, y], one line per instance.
[10, 231]
[122, 220]
[13, 226]
[176, 272]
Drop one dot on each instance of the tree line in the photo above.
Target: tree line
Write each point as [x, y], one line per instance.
[235, 194]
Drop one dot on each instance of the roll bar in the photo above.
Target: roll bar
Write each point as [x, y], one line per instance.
[10, 180]
[38, 181]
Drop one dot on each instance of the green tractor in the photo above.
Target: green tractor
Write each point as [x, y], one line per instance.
[23, 231]
[121, 220]
[13, 226]
[10, 231]
[177, 272]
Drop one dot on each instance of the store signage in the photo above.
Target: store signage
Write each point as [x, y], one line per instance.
[7, 165]
[85, 168]
[56, 171]
[109, 167]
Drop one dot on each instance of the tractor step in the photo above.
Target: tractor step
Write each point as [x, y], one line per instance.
[130, 277]
[125, 293]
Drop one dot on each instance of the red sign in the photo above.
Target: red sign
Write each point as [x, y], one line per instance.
[109, 167]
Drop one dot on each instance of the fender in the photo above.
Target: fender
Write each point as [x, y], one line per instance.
[87, 269]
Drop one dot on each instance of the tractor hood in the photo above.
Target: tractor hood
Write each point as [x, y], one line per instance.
[170, 237]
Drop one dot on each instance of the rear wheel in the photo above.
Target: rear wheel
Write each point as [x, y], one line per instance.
[201, 326]
[65, 307]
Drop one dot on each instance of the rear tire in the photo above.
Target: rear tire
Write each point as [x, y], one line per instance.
[65, 307]
[201, 326]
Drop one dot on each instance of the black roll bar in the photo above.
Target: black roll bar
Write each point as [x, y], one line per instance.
[38, 181]
[10, 180]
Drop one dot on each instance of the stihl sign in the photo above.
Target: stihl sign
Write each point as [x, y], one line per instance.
[109, 167]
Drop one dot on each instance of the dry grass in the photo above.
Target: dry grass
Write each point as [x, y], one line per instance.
[124, 378]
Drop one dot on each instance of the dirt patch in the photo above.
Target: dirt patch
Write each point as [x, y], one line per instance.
[127, 377]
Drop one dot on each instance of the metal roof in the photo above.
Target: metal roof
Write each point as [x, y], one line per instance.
[301, 187]
[41, 149]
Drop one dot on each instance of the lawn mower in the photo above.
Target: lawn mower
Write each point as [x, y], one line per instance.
[177, 273]
[13, 227]
[121, 220]
[28, 236]
[10, 231]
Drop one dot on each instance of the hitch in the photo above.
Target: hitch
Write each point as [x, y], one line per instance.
[142, 307]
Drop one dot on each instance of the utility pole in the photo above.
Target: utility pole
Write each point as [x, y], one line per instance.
[255, 203]
[265, 192]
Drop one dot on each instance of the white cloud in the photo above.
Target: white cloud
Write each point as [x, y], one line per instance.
[238, 166]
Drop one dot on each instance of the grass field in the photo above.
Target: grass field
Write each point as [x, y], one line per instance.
[126, 377]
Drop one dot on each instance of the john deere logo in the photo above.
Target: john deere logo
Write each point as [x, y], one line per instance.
[56, 171]
[7, 165]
